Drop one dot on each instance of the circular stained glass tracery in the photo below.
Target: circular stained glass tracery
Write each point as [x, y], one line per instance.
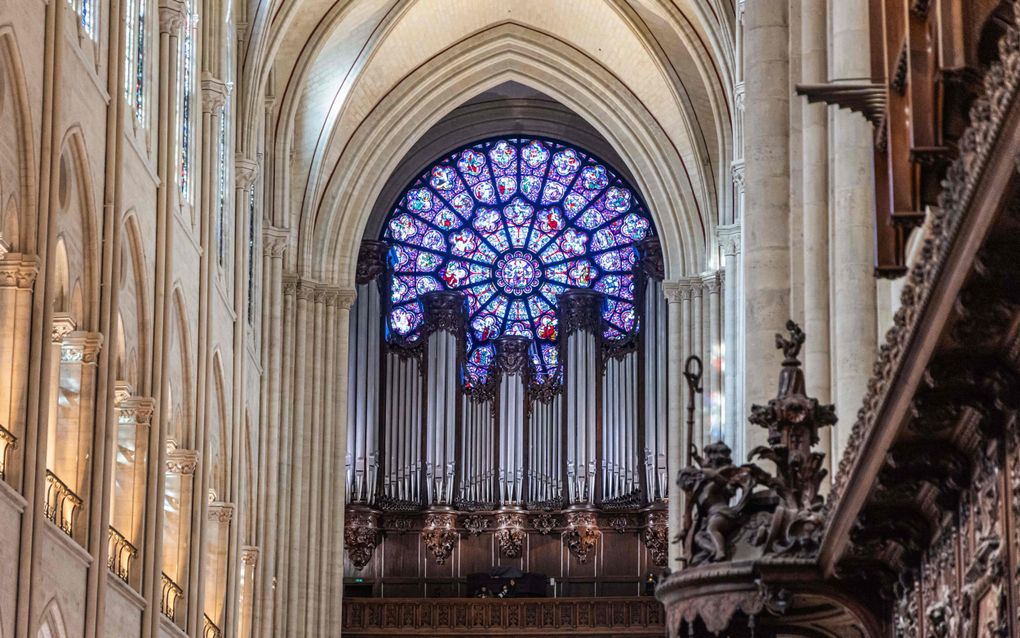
[513, 223]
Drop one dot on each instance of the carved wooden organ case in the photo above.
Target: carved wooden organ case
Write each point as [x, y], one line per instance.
[431, 453]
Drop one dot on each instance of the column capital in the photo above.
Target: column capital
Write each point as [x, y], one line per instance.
[305, 289]
[737, 174]
[250, 555]
[713, 282]
[214, 93]
[274, 241]
[18, 270]
[135, 410]
[63, 325]
[179, 460]
[738, 96]
[171, 16]
[728, 237]
[345, 299]
[81, 347]
[289, 282]
[220, 512]
[246, 171]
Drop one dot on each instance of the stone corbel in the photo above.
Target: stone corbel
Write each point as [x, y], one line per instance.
[18, 270]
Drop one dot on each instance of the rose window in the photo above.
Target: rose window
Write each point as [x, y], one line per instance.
[513, 223]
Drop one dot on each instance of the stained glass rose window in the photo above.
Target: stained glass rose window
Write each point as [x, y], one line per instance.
[513, 223]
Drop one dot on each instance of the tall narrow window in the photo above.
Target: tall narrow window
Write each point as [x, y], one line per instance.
[251, 255]
[87, 11]
[221, 188]
[134, 58]
[186, 90]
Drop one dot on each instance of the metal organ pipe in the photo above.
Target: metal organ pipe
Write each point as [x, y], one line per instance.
[444, 321]
[579, 322]
[362, 425]
[656, 355]
[511, 366]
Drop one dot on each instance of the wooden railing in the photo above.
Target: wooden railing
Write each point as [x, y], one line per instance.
[171, 593]
[210, 629]
[8, 442]
[547, 617]
[121, 553]
[62, 504]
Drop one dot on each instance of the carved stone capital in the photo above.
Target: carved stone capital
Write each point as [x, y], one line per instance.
[246, 171]
[440, 535]
[345, 299]
[171, 16]
[728, 237]
[371, 261]
[444, 310]
[214, 93]
[135, 411]
[581, 534]
[305, 290]
[737, 174]
[250, 556]
[739, 93]
[713, 282]
[179, 460]
[510, 533]
[81, 347]
[220, 512]
[18, 270]
[63, 325]
[274, 241]
[290, 284]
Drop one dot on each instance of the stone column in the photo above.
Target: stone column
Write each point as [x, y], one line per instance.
[75, 409]
[246, 604]
[853, 311]
[675, 442]
[181, 466]
[127, 512]
[733, 421]
[696, 328]
[17, 279]
[713, 361]
[218, 523]
[815, 140]
[345, 299]
[765, 227]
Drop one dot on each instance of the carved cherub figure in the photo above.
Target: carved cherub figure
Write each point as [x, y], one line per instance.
[710, 487]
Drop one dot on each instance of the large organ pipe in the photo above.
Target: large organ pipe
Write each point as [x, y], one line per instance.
[511, 369]
[579, 323]
[444, 323]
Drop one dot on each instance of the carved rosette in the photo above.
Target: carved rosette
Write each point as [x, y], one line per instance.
[581, 534]
[580, 309]
[656, 538]
[512, 354]
[510, 533]
[371, 261]
[444, 310]
[440, 535]
[361, 535]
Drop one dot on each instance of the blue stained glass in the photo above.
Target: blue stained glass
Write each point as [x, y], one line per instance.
[513, 223]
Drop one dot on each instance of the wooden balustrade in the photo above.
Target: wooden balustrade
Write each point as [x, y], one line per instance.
[120, 554]
[8, 442]
[547, 617]
[62, 504]
[171, 593]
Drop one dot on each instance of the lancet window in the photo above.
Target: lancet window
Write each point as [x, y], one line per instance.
[186, 91]
[134, 58]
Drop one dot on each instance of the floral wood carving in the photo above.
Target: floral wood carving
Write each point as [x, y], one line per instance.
[440, 535]
[361, 535]
[581, 535]
[544, 523]
[656, 538]
[476, 524]
[371, 261]
[510, 533]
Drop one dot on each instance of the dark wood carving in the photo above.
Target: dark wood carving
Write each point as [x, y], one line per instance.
[361, 535]
[444, 310]
[579, 309]
[371, 261]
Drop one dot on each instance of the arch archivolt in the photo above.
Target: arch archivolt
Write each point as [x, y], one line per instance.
[181, 420]
[132, 299]
[505, 53]
[77, 226]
